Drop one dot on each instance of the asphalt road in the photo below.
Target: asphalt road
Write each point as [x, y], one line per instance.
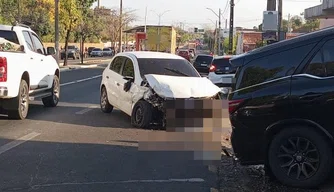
[76, 147]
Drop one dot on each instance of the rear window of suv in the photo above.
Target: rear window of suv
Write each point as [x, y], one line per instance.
[9, 41]
[221, 62]
[203, 59]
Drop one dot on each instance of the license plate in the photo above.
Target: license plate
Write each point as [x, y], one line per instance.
[227, 68]
[204, 65]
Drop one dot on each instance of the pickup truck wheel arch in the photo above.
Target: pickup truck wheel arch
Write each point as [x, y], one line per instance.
[20, 104]
[25, 76]
[53, 99]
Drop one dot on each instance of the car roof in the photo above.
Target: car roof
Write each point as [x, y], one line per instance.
[9, 28]
[207, 55]
[151, 55]
[224, 57]
[301, 38]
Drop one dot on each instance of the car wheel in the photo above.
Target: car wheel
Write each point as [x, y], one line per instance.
[300, 157]
[104, 103]
[21, 103]
[141, 116]
[52, 101]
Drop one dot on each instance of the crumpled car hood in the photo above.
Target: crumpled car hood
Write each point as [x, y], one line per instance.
[182, 87]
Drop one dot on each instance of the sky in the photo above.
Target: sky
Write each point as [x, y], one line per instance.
[193, 13]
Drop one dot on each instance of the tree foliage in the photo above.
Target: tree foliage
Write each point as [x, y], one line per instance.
[75, 16]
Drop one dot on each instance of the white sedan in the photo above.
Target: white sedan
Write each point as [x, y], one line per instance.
[138, 83]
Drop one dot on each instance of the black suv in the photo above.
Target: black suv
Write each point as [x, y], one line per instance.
[281, 108]
[202, 63]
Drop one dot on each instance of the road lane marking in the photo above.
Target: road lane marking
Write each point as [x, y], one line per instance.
[80, 80]
[190, 180]
[81, 112]
[18, 142]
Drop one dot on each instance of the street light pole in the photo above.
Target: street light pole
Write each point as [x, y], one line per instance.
[159, 34]
[219, 28]
[120, 25]
[57, 30]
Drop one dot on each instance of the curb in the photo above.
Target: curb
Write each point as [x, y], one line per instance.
[89, 61]
[71, 68]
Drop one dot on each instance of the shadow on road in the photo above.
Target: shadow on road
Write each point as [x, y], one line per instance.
[43, 165]
[74, 115]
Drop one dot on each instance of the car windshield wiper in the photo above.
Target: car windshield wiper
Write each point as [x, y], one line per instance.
[176, 71]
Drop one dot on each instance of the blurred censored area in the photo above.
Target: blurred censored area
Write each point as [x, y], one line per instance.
[191, 125]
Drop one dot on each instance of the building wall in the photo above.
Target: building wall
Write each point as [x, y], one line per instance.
[326, 23]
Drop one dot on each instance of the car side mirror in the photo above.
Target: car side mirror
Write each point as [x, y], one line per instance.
[128, 78]
[50, 50]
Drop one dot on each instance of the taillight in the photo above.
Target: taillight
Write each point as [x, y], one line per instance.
[3, 69]
[232, 105]
[212, 68]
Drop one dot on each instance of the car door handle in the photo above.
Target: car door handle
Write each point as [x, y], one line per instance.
[41, 59]
[31, 58]
[107, 77]
[310, 96]
[118, 84]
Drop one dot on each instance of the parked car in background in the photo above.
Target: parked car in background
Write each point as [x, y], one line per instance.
[90, 49]
[221, 72]
[139, 82]
[28, 71]
[193, 51]
[281, 108]
[72, 52]
[96, 52]
[185, 54]
[107, 52]
[202, 63]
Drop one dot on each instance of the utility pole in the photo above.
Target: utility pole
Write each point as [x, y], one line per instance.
[271, 5]
[219, 31]
[230, 44]
[57, 30]
[215, 42]
[289, 23]
[19, 11]
[280, 15]
[225, 23]
[98, 3]
[120, 26]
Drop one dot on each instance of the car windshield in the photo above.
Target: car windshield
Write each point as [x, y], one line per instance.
[71, 47]
[9, 41]
[97, 49]
[203, 59]
[106, 49]
[222, 62]
[172, 67]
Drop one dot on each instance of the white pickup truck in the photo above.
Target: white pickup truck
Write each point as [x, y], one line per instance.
[27, 71]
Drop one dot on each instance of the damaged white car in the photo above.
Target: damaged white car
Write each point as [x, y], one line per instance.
[138, 83]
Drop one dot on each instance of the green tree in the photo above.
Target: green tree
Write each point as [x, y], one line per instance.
[69, 18]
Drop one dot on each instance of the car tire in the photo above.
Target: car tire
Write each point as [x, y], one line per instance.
[53, 99]
[300, 150]
[141, 116]
[21, 103]
[105, 106]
